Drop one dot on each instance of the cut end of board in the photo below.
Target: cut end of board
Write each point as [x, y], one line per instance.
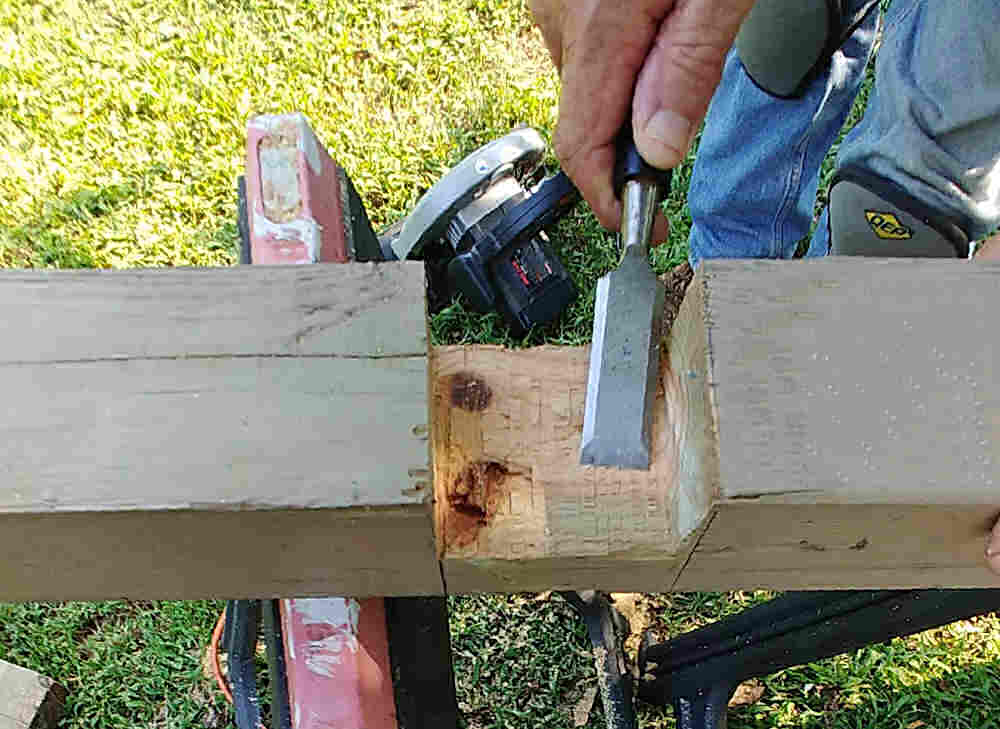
[514, 508]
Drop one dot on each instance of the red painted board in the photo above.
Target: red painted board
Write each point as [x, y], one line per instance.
[337, 654]
[336, 648]
[294, 203]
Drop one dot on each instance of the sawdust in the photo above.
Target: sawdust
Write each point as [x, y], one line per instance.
[747, 693]
[583, 707]
[638, 610]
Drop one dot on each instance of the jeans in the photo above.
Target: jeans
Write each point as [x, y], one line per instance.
[932, 125]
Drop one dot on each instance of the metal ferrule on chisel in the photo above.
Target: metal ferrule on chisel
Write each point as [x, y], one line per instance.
[628, 310]
[639, 200]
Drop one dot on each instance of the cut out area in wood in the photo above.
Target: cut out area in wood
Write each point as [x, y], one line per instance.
[514, 509]
[263, 432]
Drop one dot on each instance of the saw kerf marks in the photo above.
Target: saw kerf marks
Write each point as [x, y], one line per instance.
[551, 506]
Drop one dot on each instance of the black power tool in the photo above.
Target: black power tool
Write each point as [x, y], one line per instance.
[483, 229]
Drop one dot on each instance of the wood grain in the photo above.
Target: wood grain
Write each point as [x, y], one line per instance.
[363, 310]
[857, 405]
[219, 399]
[548, 522]
[29, 700]
[265, 432]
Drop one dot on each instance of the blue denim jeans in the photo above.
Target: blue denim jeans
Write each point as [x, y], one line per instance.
[932, 125]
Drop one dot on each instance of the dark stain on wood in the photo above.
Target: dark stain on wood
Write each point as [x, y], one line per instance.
[474, 497]
[808, 546]
[470, 392]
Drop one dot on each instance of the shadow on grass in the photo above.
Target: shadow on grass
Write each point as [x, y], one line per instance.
[49, 241]
[42, 243]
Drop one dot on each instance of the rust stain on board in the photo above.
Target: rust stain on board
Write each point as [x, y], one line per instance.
[470, 392]
[473, 499]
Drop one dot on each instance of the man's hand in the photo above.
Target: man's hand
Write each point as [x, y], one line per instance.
[662, 58]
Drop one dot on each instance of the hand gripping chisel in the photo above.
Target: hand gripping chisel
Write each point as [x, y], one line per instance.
[628, 310]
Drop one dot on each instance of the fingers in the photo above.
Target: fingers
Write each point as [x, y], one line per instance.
[599, 46]
[993, 549]
[604, 45]
[680, 75]
[989, 249]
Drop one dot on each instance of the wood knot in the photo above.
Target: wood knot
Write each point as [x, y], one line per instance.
[470, 392]
[474, 497]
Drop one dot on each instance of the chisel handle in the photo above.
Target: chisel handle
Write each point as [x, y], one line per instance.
[629, 165]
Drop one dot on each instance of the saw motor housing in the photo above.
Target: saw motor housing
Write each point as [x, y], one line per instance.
[504, 261]
[480, 231]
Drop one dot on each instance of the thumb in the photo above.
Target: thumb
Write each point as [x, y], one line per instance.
[680, 75]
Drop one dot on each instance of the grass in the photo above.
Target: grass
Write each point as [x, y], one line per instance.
[122, 128]
[124, 664]
[520, 661]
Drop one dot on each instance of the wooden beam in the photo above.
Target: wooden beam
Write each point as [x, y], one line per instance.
[29, 700]
[263, 431]
[855, 411]
[244, 432]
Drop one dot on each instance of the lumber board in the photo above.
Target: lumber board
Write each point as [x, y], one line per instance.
[514, 509]
[268, 432]
[29, 700]
[361, 310]
[855, 407]
[254, 431]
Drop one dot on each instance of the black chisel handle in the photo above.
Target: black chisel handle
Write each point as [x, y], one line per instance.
[629, 164]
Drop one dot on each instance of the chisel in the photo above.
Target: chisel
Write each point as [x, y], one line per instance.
[628, 310]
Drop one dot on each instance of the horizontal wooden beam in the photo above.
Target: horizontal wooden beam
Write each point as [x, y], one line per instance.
[855, 411]
[265, 431]
[223, 432]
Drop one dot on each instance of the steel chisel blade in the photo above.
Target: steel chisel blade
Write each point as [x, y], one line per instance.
[624, 365]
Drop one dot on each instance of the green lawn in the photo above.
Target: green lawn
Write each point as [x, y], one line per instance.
[121, 135]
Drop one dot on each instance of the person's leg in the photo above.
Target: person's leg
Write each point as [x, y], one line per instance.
[753, 187]
[932, 126]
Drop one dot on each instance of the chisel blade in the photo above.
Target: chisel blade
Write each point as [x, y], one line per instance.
[624, 365]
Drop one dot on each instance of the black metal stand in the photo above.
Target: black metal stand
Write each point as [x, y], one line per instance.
[420, 654]
[698, 671]
[608, 630]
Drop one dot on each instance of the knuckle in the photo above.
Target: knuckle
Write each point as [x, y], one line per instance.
[700, 62]
[697, 52]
